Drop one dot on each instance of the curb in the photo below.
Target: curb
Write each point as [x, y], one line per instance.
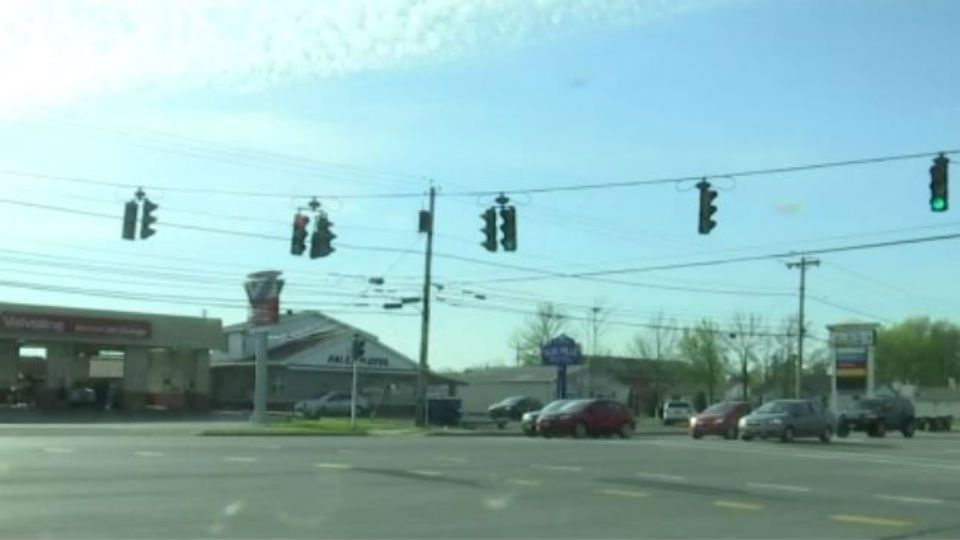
[278, 433]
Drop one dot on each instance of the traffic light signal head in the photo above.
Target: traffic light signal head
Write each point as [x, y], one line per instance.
[508, 215]
[489, 229]
[938, 184]
[148, 219]
[130, 220]
[320, 242]
[298, 241]
[707, 208]
[359, 348]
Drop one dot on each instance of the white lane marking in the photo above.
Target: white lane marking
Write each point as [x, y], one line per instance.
[422, 472]
[57, 450]
[338, 466]
[148, 453]
[523, 482]
[451, 459]
[565, 468]
[233, 508]
[240, 459]
[780, 487]
[623, 493]
[659, 476]
[914, 500]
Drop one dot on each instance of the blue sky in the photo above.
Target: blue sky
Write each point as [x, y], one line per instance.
[384, 97]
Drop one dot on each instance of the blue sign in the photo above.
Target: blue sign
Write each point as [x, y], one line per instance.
[560, 351]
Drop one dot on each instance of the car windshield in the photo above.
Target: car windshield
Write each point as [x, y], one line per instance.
[575, 405]
[554, 405]
[678, 405]
[720, 408]
[869, 404]
[774, 407]
[513, 400]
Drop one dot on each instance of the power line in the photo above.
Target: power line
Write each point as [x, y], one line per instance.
[487, 193]
[849, 309]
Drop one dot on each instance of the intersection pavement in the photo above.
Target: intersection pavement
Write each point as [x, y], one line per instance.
[169, 484]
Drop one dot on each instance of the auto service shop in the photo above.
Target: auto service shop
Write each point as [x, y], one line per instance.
[57, 358]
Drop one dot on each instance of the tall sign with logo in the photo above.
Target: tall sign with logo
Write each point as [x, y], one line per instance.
[561, 351]
[853, 347]
[263, 292]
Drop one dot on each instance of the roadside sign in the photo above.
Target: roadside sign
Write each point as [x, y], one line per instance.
[560, 351]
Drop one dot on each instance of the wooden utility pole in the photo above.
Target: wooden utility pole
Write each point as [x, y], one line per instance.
[420, 408]
[801, 330]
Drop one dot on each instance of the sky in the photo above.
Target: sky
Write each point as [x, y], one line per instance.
[231, 115]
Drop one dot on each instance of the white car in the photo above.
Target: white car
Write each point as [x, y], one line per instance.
[332, 404]
[676, 411]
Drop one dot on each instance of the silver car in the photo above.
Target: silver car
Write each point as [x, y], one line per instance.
[332, 404]
[787, 419]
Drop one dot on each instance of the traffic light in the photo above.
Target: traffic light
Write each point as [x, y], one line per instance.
[130, 220]
[359, 347]
[508, 216]
[489, 229]
[938, 184]
[148, 219]
[322, 238]
[707, 208]
[298, 242]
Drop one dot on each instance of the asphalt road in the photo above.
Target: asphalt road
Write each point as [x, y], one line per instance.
[168, 483]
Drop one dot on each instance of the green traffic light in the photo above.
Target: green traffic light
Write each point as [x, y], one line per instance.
[938, 204]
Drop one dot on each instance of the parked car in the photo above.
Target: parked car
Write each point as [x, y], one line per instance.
[528, 422]
[719, 419]
[331, 404]
[788, 419]
[877, 415]
[512, 408]
[588, 417]
[675, 411]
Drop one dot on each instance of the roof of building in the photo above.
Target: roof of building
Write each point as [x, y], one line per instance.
[513, 374]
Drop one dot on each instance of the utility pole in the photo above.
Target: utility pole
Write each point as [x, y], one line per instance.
[801, 331]
[420, 409]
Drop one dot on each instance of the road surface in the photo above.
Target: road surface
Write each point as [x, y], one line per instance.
[171, 484]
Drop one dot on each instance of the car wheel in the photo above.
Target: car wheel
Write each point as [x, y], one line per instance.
[787, 435]
[626, 431]
[666, 422]
[730, 433]
[843, 430]
[826, 435]
[580, 430]
[746, 438]
[880, 430]
[909, 428]
[501, 425]
[696, 434]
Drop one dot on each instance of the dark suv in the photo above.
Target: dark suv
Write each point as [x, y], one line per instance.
[512, 408]
[877, 415]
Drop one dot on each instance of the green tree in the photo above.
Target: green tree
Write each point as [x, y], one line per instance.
[547, 323]
[919, 351]
[704, 348]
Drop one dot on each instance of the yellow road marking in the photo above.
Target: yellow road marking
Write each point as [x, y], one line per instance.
[338, 466]
[523, 482]
[623, 493]
[737, 505]
[867, 520]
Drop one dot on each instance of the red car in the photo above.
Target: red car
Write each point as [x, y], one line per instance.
[719, 419]
[588, 417]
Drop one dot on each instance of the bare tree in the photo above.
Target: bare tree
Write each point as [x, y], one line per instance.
[548, 322]
[744, 341]
[658, 342]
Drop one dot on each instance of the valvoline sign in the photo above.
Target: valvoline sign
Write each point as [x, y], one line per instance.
[560, 351]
